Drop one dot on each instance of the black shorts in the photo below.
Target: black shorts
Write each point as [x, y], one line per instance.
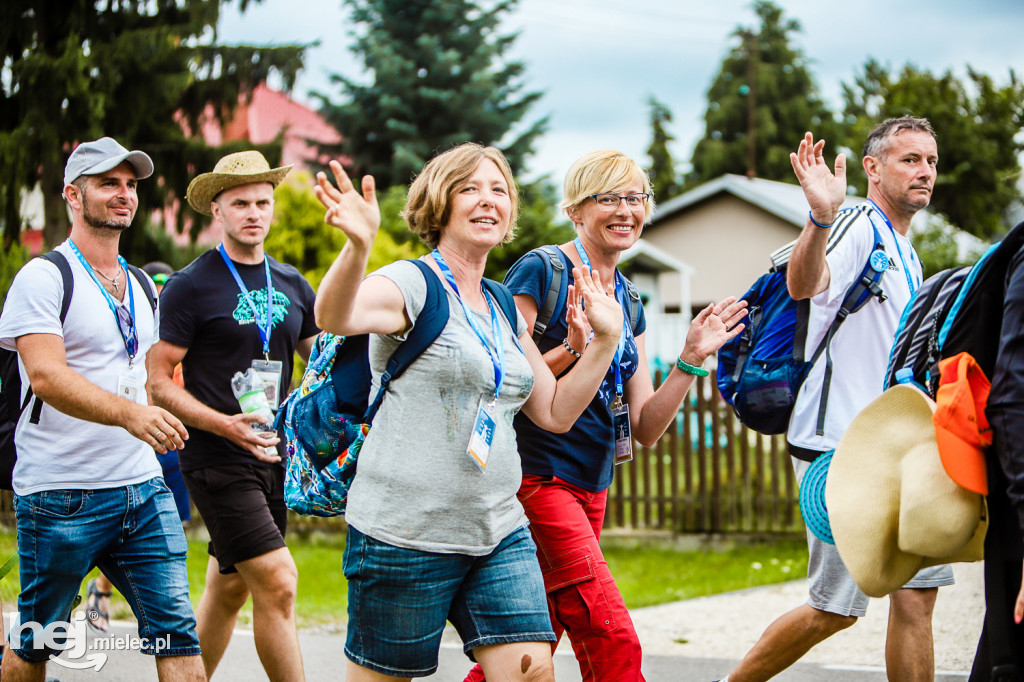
[243, 508]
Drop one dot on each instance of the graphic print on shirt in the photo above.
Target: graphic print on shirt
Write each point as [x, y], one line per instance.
[243, 311]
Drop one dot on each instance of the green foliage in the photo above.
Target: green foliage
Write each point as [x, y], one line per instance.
[136, 71]
[439, 77]
[764, 88]
[937, 248]
[299, 235]
[662, 170]
[978, 127]
[10, 262]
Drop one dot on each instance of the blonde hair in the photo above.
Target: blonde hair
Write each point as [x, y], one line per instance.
[428, 207]
[605, 170]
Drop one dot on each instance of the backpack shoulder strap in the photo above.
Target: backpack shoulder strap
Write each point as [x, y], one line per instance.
[506, 302]
[429, 324]
[68, 280]
[147, 285]
[59, 260]
[557, 289]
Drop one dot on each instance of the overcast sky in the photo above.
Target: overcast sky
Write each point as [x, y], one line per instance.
[597, 61]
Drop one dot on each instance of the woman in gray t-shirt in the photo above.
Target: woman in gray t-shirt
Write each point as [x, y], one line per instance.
[435, 530]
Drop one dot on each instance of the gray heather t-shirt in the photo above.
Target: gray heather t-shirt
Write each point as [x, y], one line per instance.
[415, 486]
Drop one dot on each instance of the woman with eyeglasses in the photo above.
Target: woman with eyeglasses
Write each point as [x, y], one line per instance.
[566, 475]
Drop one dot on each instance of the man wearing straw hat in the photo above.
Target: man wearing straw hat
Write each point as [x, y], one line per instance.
[87, 486]
[232, 309]
[899, 158]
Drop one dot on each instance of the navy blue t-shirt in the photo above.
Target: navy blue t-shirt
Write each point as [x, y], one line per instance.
[585, 455]
[203, 310]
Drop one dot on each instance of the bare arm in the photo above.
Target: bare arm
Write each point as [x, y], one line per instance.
[653, 411]
[807, 274]
[305, 347]
[66, 390]
[346, 303]
[558, 359]
[554, 404]
[162, 358]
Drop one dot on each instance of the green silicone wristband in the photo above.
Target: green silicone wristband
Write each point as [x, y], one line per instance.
[691, 369]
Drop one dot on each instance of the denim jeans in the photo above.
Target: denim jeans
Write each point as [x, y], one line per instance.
[132, 533]
[399, 599]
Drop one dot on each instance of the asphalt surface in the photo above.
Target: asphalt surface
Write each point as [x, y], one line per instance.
[325, 661]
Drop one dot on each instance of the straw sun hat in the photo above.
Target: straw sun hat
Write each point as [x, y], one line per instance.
[240, 168]
[892, 507]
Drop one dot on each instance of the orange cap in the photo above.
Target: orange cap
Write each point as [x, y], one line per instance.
[961, 428]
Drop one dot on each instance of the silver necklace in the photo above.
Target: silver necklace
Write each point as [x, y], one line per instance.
[115, 280]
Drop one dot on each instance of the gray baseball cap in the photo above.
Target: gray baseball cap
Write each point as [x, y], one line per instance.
[91, 158]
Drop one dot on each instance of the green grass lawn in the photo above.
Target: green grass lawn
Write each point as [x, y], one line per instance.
[648, 572]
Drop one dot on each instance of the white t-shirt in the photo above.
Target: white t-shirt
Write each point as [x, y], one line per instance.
[860, 350]
[62, 451]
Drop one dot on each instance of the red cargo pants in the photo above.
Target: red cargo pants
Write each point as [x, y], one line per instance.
[582, 596]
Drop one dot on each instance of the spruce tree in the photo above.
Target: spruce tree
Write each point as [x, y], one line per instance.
[760, 104]
[134, 70]
[438, 77]
[662, 170]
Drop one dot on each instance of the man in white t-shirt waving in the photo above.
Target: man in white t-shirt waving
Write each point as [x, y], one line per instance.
[87, 483]
[899, 158]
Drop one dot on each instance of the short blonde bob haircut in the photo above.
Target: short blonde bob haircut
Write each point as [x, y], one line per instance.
[605, 170]
[428, 207]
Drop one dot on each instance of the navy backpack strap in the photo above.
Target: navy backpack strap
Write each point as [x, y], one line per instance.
[147, 285]
[503, 296]
[863, 290]
[429, 324]
[633, 294]
[68, 280]
[557, 289]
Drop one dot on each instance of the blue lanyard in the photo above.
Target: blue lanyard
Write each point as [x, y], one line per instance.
[264, 330]
[498, 353]
[625, 325]
[911, 284]
[131, 339]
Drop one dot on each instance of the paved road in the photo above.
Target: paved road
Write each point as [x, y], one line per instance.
[325, 662]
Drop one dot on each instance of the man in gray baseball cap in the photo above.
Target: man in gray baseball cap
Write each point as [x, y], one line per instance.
[87, 484]
[92, 158]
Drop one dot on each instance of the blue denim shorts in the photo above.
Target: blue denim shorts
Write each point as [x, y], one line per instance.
[133, 534]
[399, 599]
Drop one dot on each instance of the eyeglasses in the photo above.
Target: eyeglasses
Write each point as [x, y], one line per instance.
[608, 201]
[127, 324]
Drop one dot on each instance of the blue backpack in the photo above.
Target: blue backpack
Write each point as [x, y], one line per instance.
[956, 310]
[327, 417]
[761, 370]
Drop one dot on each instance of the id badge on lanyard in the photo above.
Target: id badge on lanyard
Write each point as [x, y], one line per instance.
[623, 436]
[270, 372]
[483, 434]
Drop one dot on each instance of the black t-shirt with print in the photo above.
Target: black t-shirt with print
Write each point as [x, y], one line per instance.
[203, 309]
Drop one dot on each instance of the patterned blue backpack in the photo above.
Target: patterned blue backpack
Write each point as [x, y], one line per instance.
[327, 417]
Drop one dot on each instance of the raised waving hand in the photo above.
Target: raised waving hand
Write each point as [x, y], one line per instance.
[825, 191]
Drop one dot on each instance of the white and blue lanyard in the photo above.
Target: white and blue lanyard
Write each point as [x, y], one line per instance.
[497, 353]
[625, 324]
[911, 284]
[131, 339]
[266, 328]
